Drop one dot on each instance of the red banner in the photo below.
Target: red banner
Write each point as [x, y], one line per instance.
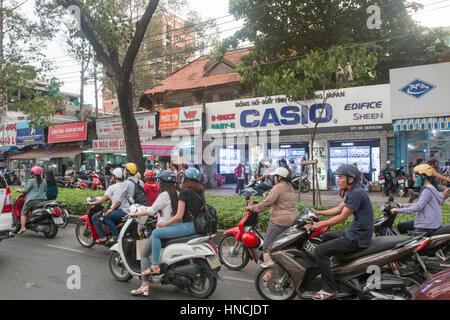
[68, 132]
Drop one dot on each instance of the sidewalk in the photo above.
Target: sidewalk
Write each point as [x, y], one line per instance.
[329, 198]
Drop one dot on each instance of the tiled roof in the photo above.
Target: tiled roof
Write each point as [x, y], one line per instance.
[192, 76]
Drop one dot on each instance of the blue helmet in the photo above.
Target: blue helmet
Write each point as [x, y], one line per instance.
[167, 176]
[193, 174]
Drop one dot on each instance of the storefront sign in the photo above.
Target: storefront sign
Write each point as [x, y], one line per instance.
[349, 107]
[420, 91]
[8, 134]
[180, 118]
[113, 145]
[27, 135]
[67, 132]
[157, 150]
[113, 128]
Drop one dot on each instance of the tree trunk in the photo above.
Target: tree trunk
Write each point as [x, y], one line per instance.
[133, 145]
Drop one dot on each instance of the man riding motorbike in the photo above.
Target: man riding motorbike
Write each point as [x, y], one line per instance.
[356, 237]
[428, 208]
[110, 194]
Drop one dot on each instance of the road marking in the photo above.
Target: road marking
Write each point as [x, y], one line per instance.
[237, 279]
[64, 248]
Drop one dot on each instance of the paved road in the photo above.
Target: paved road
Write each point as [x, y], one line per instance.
[33, 267]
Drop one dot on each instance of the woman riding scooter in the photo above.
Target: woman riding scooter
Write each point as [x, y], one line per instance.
[35, 190]
[428, 208]
[282, 201]
[165, 206]
[190, 201]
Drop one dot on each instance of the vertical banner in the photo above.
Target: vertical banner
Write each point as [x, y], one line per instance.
[320, 154]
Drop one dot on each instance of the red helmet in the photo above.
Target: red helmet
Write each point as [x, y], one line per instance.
[36, 170]
[149, 174]
[250, 240]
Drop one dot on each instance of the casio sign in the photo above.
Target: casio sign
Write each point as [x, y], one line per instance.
[289, 115]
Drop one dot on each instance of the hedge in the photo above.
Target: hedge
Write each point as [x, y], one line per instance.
[230, 209]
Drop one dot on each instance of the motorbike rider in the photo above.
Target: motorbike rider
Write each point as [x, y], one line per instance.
[109, 195]
[35, 190]
[434, 163]
[428, 207]
[151, 188]
[165, 207]
[356, 237]
[190, 201]
[265, 178]
[121, 206]
[292, 166]
[282, 201]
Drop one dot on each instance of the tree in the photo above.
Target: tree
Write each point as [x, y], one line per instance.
[21, 61]
[109, 30]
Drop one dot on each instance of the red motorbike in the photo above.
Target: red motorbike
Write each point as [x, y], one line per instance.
[85, 231]
[244, 241]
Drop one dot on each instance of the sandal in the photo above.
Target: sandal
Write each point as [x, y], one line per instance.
[111, 242]
[150, 271]
[141, 291]
[22, 231]
[323, 295]
[100, 241]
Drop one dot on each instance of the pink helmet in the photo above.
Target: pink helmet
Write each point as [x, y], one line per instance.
[36, 170]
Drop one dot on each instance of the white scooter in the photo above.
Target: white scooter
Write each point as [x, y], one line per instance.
[190, 263]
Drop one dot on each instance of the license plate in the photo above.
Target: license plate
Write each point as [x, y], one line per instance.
[58, 220]
[214, 261]
[381, 181]
[401, 181]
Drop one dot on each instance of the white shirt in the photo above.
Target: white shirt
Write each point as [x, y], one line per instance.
[163, 205]
[111, 189]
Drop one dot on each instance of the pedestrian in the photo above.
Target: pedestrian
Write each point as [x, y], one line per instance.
[239, 174]
[292, 166]
[108, 174]
[52, 186]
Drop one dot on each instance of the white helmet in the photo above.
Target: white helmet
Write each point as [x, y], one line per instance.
[280, 171]
[118, 173]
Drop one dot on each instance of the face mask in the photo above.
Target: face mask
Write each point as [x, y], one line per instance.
[419, 181]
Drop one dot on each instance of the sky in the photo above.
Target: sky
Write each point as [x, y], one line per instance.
[435, 14]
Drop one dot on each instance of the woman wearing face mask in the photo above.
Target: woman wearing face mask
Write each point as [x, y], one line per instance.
[428, 207]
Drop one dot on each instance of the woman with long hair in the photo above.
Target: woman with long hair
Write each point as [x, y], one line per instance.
[52, 186]
[35, 190]
[165, 207]
[428, 207]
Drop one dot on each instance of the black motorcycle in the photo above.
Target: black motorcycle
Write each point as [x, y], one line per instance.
[386, 179]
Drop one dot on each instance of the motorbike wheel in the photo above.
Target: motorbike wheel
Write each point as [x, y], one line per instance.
[279, 287]
[84, 235]
[237, 262]
[117, 268]
[65, 218]
[203, 286]
[305, 186]
[52, 232]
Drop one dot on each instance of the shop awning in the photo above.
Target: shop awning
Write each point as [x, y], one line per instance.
[421, 124]
[54, 152]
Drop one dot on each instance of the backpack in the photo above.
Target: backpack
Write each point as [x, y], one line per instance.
[206, 220]
[139, 195]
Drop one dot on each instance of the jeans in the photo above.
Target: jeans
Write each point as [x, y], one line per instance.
[172, 231]
[404, 227]
[97, 224]
[145, 258]
[112, 219]
[335, 243]
[240, 185]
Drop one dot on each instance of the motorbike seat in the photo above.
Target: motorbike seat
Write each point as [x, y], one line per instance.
[44, 204]
[377, 245]
[442, 230]
[166, 242]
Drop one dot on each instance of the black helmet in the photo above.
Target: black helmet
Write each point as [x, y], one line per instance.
[167, 176]
[432, 160]
[349, 170]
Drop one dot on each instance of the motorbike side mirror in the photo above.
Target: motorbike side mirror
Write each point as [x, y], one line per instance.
[391, 198]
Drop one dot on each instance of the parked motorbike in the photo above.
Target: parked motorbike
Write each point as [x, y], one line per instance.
[304, 181]
[191, 263]
[294, 271]
[246, 240]
[11, 177]
[251, 189]
[45, 217]
[400, 184]
[434, 257]
[386, 180]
